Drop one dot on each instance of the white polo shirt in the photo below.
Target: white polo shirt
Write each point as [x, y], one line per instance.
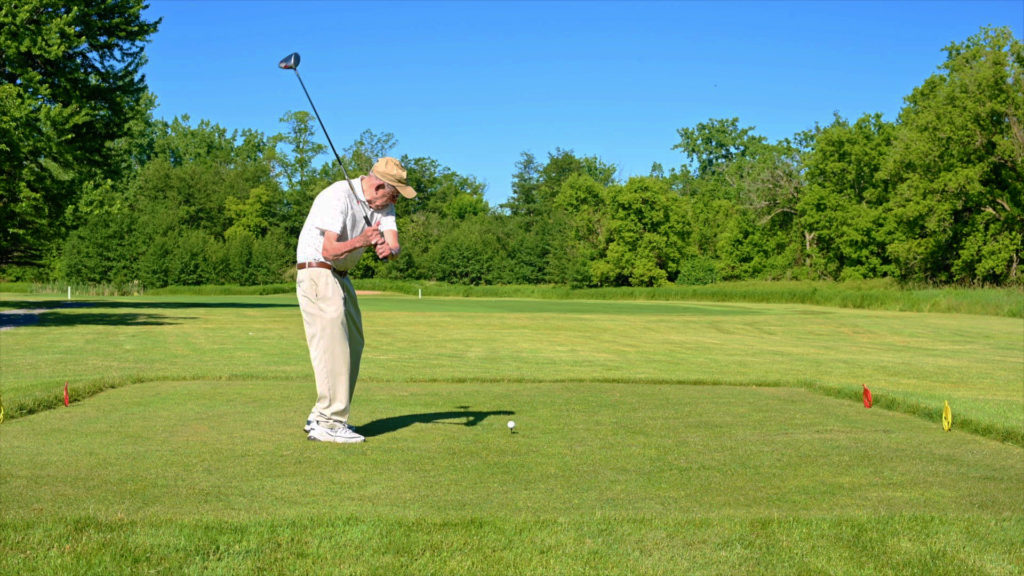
[337, 209]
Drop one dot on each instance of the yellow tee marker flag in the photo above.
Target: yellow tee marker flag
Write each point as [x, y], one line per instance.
[947, 418]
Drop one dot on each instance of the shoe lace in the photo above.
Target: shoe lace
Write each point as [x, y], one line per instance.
[337, 428]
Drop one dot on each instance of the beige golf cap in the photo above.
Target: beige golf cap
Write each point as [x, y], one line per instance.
[391, 171]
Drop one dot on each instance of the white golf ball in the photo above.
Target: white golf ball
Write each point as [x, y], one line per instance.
[511, 424]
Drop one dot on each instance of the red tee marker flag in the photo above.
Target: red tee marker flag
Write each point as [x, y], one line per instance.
[867, 396]
[66, 399]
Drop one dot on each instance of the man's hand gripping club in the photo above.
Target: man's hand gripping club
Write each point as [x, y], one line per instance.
[371, 236]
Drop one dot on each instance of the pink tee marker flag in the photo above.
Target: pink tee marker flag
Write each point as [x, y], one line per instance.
[67, 400]
[867, 396]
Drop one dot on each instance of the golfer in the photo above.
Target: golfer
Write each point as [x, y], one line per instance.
[332, 240]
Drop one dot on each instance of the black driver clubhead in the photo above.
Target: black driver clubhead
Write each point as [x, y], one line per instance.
[290, 62]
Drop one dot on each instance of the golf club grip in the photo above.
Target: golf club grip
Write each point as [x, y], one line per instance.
[366, 218]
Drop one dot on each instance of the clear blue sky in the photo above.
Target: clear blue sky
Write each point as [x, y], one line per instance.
[473, 84]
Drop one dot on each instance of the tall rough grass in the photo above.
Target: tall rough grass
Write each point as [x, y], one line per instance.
[863, 294]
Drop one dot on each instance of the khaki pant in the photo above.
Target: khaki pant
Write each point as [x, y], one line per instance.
[334, 333]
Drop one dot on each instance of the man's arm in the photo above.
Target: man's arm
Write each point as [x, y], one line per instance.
[391, 237]
[335, 248]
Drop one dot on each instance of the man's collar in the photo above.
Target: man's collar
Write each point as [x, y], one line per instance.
[357, 187]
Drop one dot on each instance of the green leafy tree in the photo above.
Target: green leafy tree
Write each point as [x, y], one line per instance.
[199, 177]
[441, 190]
[842, 210]
[525, 183]
[535, 186]
[296, 169]
[366, 150]
[716, 143]
[578, 237]
[551, 209]
[198, 184]
[957, 208]
[273, 257]
[256, 213]
[70, 88]
[470, 253]
[564, 164]
[537, 248]
[742, 204]
[293, 160]
[644, 238]
[96, 251]
[768, 183]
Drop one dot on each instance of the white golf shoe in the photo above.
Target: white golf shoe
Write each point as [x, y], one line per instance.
[333, 432]
[311, 422]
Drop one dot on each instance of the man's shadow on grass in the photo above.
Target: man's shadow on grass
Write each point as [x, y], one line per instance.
[47, 313]
[49, 318]
[461, 417]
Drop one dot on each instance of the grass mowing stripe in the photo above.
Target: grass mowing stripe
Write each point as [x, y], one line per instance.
[215, 477]
[142, 451]
[609, 545]
[929, 412]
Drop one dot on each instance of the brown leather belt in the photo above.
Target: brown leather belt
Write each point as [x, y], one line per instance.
[324, 265]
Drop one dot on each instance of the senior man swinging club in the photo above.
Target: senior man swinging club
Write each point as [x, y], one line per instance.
[332, 240]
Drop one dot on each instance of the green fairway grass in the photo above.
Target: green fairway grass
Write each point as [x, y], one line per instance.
[912, 362]
[651, 438]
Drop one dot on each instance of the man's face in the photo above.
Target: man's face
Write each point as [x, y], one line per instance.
[377, 195]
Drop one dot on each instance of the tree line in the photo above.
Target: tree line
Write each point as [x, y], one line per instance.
[95, 190]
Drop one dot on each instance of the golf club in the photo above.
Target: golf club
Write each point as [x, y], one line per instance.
[291, 62]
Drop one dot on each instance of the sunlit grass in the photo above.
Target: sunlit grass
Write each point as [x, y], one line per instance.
[615, 478]
[652, 438]
[911, 360]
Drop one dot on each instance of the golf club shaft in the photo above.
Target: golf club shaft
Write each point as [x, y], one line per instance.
[366, 217]
[322, 127]
[291, 62]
